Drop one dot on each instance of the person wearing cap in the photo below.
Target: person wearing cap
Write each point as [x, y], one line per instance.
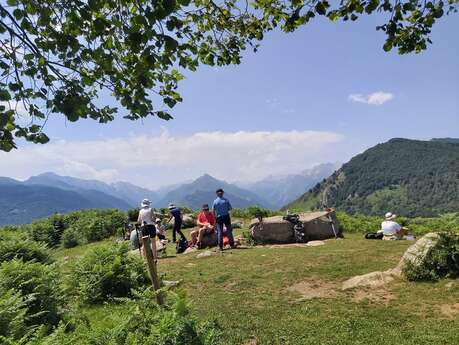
[177, 215]
[206, 222]
[222, 207]
[390, 229]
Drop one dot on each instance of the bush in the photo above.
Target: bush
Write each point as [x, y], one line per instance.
[13, 316]
[107, 272]
[252, 212]
[38, 284]
[143, 322]
[24, 249]
[358, 223]
[133, 214]
[442, 261]
[72, 237]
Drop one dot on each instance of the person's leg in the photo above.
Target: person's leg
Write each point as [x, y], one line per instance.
[179, 229]
[219, 228]
[202, 231]
[229, 230]
[194, 236]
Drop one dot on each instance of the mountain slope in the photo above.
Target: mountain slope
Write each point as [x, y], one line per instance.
[22, 203]
[280, 190]
[409, 177]
[128, 192]
[202, 190]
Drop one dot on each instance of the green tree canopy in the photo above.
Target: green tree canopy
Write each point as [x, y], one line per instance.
[57, 55]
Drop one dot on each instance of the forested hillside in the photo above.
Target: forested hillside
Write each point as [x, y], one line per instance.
[409, 177]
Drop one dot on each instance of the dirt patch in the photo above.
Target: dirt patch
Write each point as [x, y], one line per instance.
[315, 288]
[450, 310]
[379, 296]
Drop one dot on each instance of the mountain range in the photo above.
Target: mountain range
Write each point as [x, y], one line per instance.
[47, 193]
[280, 190]
[408, 177]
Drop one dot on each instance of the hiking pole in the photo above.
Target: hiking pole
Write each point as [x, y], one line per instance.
[138, 238]
[332, 225]
[328, 209]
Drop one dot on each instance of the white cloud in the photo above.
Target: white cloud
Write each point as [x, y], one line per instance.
[156, 160]
[375, 98]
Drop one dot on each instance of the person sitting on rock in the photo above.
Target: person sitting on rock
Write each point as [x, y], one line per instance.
[160, 230]
[206, 223]
[391, 229]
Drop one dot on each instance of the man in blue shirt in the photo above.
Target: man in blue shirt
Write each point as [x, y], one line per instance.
[222, 208]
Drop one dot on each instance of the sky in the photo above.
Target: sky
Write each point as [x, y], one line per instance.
[321, 94]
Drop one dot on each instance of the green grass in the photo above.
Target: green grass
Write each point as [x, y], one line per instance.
[245, 291]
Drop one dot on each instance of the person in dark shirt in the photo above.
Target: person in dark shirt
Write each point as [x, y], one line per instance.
[177, 215]
[222, 208]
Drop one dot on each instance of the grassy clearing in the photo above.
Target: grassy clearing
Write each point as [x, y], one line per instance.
[246, 292]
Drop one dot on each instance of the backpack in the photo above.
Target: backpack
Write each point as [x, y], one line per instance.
[374, 236]
[182, 245]
[298, 228]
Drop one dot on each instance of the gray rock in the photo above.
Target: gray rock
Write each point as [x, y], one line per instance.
[205, 254]
[417, 253]
[373, 279]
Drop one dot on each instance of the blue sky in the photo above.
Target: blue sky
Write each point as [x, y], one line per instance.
[293, 98]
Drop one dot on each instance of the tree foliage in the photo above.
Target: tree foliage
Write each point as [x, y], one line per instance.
[57, 56]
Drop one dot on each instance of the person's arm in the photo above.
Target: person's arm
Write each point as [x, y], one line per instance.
[229, 205]
[198, 221]
[138, 219]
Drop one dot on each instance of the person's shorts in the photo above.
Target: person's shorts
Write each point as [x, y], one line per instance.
[149, 230]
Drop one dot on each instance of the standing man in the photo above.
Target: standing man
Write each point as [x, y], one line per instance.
[177, 215]
[222, 208]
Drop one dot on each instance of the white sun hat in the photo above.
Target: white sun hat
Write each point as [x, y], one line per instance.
[145, 203]
[390, 216]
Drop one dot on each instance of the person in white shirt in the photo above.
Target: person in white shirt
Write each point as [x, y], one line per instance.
[146, 220]
[391, 229]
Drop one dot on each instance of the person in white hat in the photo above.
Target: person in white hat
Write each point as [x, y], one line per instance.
[146, 213]
[391, 229]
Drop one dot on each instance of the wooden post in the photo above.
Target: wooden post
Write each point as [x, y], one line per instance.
[151, 262]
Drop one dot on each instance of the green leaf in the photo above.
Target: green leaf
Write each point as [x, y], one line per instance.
[4, 95]
[387, 46]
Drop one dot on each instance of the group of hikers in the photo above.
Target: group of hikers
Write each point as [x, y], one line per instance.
[209, 220]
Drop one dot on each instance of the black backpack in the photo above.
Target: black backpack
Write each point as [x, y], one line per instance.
[298, 228]
[374, 236]
[182, 245]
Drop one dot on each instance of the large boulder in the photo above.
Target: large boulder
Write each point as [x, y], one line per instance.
[317, 225]
[416, 254]
[189, 221]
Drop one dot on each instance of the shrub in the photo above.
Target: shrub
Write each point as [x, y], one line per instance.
[442, 261]
[72, 237]
[252, 212]
[133, 214]
[48, 230]
[143, 322]
[13, 316]
[107, 272]
[24, 249]
[358, 223]
[38, 284]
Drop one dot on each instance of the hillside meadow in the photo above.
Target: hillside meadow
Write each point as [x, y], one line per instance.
[257, 295]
